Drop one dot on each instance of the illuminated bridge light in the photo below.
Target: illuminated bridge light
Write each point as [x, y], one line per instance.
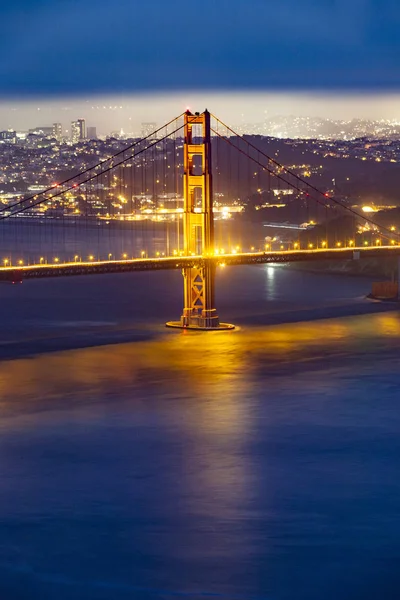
[339, 244]
[351, 242]
[56, 259]
[76, 257]
[378, 242]
[91, 257]
[109, 256]
[6, 261]
[124, 256]
[20, 262]
[310, 245]
[295, 245]
[323, 244]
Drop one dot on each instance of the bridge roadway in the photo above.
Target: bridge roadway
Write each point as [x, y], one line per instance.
[16, 274]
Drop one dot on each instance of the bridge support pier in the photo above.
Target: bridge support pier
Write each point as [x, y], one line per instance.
[199, 310]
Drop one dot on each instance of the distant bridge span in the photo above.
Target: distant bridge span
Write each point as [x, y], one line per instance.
[19, 273]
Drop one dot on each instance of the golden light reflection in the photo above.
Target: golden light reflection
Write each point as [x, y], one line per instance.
[212, 368]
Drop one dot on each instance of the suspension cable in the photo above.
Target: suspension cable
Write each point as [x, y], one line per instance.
[293, 174]
[76, 175]
[60, 193]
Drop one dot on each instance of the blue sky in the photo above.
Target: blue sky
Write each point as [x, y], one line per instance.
[62, 47]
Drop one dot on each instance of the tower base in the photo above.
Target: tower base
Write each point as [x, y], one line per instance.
[194, 327]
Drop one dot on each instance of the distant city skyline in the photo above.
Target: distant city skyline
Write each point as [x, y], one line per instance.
[109, 113]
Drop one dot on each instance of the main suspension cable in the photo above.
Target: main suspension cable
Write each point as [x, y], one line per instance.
[73, 186]
[97, 165]
[300, 179]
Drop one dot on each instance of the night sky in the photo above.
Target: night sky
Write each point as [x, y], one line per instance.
[123, 46]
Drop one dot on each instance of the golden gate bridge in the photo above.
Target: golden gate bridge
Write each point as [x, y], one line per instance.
[52, 233]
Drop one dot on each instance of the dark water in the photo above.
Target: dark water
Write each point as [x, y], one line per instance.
[255, 464]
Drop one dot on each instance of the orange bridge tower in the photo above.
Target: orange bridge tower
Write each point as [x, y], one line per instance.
[199, 310]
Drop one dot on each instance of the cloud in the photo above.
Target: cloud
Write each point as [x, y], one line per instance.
[69, 46]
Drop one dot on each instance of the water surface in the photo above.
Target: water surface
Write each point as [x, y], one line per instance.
[140, 462]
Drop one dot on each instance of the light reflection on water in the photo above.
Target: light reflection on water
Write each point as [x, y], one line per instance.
[197, 361]
[258, 463]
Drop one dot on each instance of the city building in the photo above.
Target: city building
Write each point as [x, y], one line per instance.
[78, 131]
[43, 130]
[8, 136]
[91, 133]
[147, 129]
[57, 131]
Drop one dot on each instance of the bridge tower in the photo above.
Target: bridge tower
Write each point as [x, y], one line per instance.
[199, 310]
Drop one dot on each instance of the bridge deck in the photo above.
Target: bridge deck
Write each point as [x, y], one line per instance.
[17, 273]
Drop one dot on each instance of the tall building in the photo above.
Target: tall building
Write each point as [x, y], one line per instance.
[91, 133]
[147, 129]
[57, 131]
[9, 136]
[78, 131]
